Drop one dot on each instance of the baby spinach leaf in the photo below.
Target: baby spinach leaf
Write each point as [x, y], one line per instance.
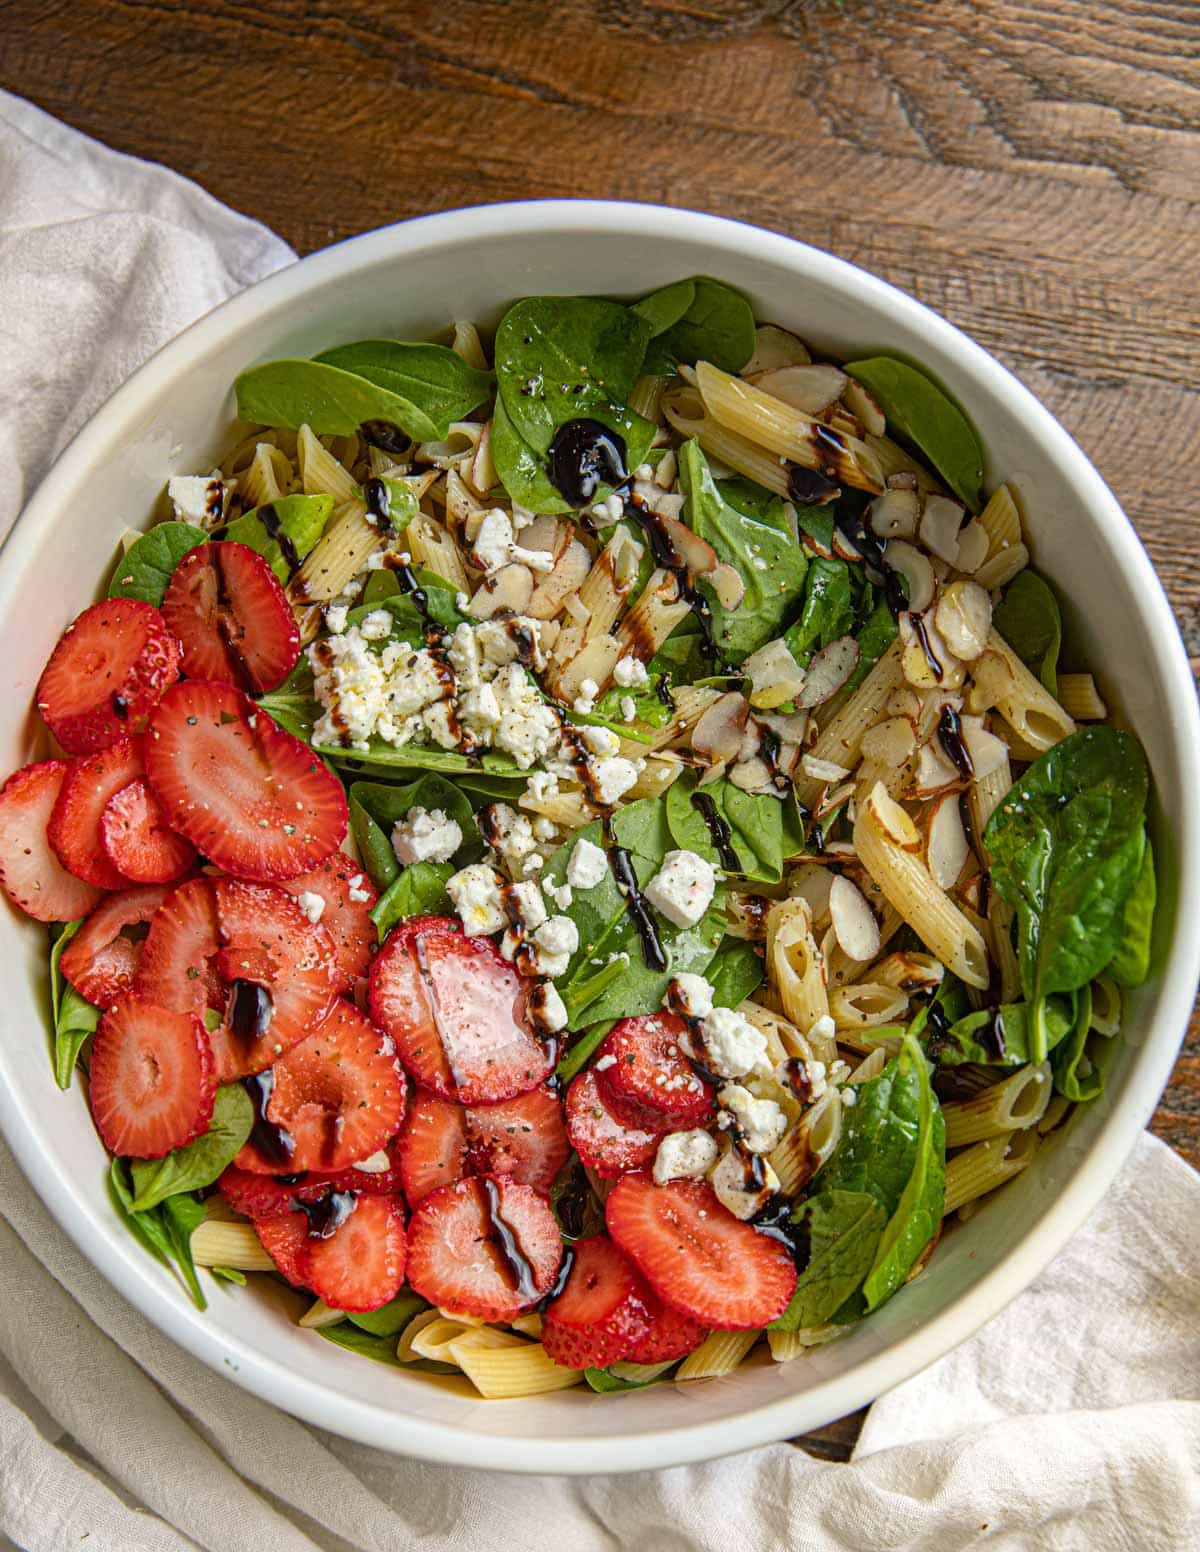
[146, 567]
[878, 1146]
[756, 826]
[874, 637]
[381, 759]
[581, 1051]
[966, 1040]
[828, 612]
[366, 1344]
[166, 1230]
[1029, 620]
[383, 585]
[756, 501]
[735, 973]
[419, 891]
[332, 402]
[1066, 847]
[301, 519]
[770, 563]
[72, 1017]
[294, 704]
[681, 658]
[1080, 1064]
[402, 507]
[559, 358]
[433, 377]
[229, 1274]
[391, 1318]
[927, 417]
[843, 1229]
[1131, 963]
[817, 524]
[408, 623]
[197, 1165]
[665, 307]
[718, 326]
[376, 806]
[605, 1382]
[919, 1211]
[520, 468]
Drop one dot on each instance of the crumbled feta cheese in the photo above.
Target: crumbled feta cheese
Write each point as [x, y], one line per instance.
[350, 682]
[823, 1029]
[603, 1063]
[732, 1044]
[426, 835]
[528, 727]
[628, 709]
[613, 779]
[313, 905]
[728, 1180]
[561, 894]
[532, 865]
[462, 602]
[760, 1122]
[509, 832]
[644, 471]
[555, 941]
[585, 701]
[376, 1163]
[525, 911]
[683, 887]
[335, 619]
[547, 1008]
[587, 865]
[601, 741]
[475, 892]
[493, 541]
[542, 785]
[544, 829]
[684, 1155]
[355, 890]
[610, 510]
[418, 684]
[479, 713]
[463, 657]
[439, 722]
[197, 498]
[690, 995]
[377, 626]
[630, 672]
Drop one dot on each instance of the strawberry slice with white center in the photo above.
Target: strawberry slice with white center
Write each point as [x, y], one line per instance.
[521, 1139]
[361, 1264]
[339, 1095]
[30, 872]
[247, 952]
[649, 1080]
[603, 1142]
[284, 1237]
[483, 1247]
[599, 1315]
[106, 674]
[433, 1145]
[101, 960]
[137, 840]
[456, 1011]
[249, 796]
[697, 1256]
[232, 618]
[349, 898]
[75, 825]
[150, 1079]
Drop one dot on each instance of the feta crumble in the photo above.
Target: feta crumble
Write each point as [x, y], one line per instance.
[732, 1044]
[426, 835]
[475, 893]
[683, 1155]
[690, 995]
[587, 865]
[682, 889]
[760, 1122]
[313, 905]
[728, 1180]
[356, 892]
[630, 673]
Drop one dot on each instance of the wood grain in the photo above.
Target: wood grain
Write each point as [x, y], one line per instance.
[1030, 168]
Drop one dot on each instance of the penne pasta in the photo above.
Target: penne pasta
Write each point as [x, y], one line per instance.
[320, 472]
[809, 1143]
[794, 963]
[1026, 705]
[504, 1373]
[1080, 699]
[976, 1171]
[840, 740]
[1016, 1103]
[720, 1353]
[236, 1245]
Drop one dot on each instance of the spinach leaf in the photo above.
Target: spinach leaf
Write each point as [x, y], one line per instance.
[878, 1146]
[817, 524]
[756, 825]
[718, 326]
[928, 418]
[607, 976]
[408, 623]
[390, 1319]
[875, 636]
[433, 377]
[229, 1274]
[382, 758]
[962, 1042]
[1066, 848]
[72, 1017]
[521, 470]
[1131, 963]
[562, 357]
[419, 891]
[735, 973]
[402, 507]
[681, 657]
[145, 568]
[375, 807]
[662, 309]
[294, 704]
[770, 563]
[331, 402]
[197, 1165]
[919, 1211]
[301, 519]
[844, 1229]
[755, 501]
[581, 1050]
[1080, 1064]
[1029, 620]
[354, 1339]
[650, 710]
[828, 612]
[605, 1382]
[166, 1230]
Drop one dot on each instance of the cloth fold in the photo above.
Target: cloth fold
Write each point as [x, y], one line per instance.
[1070, 1421]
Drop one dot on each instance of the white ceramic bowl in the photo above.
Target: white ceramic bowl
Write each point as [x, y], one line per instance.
[409, 281]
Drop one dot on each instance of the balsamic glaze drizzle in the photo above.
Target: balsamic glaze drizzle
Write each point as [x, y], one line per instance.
[662, 547]
[250, 1009]
[719, 830]
[272, 1141]
[584, 455]
[327, 1214]
[268, 516]
[871, 547]
[621, 863]
[922, 635]
[950, 736]
[378, 504]
[386, 436]
[504, 1237]
[560, 1282]
[995, 1034]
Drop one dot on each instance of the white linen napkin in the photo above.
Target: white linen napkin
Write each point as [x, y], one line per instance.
[1070, 1421]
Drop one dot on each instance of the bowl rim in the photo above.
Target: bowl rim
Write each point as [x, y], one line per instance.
[643, 1449]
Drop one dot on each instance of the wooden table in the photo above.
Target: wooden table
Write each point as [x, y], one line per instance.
[1030, 168]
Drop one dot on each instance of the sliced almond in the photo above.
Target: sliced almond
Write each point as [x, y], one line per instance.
[790, 729]
[915, 568]
[509, 588]
[728, 585]
[964, 617]
[752, 775]
[973, 544]
[828, 671]
[861, 403]
[480, 471]
[853, 920]
[811, 389]
[775, 348]
[935, 773]
[696, 553]
[926, 660]
[553, 589]
[940, 524]
[718, 734]
[999, 569]
[774, 675]
[811, 883]
[843, 547]
[896, 513]
[903, 703]
[988, 753]
[895, 823]
[903, 479]
[823, 770]
[946, 845]
[991, 681]
[889, 743]
[832, 798]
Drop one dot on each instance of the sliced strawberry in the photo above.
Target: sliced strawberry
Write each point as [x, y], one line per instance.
[361, 1265]
[697, 1256]
[74, 827]
[522, 1139]
[285, 1239]
[433, 1145]
[455, 1009]
[339, 1095]
[249, 796]
[138, 841]
[268, 1196]
[349, 900]
[457, 1241]
[106, 674]
[650, 1081]
[245, 951]
[598, 1316]
[668, 1333]
[151, 1079]
[30, 873]
[604, 1143]
[232, 618]
[101, 960]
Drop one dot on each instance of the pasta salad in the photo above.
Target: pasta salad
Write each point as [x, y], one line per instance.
[578, 850]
